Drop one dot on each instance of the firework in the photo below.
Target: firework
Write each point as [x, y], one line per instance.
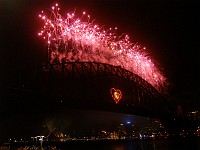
[72, 38]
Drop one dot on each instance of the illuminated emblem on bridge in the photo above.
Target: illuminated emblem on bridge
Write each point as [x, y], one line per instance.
[116, 94]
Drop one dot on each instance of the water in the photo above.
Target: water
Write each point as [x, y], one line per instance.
[161, 144]
[183, 143]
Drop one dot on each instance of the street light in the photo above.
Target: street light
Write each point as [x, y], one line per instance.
[41, 140]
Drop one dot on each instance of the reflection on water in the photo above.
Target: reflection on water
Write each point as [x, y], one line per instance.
[164, 144]
[187, 143]
[192, 143]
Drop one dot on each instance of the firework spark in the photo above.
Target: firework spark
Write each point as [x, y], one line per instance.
[71, 39]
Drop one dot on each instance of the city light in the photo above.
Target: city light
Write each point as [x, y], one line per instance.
[128, 122]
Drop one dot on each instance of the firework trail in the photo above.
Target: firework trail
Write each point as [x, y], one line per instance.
[71, 39]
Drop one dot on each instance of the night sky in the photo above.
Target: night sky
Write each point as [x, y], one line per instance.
[169, 29]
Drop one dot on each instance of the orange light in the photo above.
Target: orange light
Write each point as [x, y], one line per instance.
[116, 94]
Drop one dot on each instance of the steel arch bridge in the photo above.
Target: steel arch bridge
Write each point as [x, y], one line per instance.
[87, 84]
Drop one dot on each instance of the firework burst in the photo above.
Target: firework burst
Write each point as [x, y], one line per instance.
[72, 39]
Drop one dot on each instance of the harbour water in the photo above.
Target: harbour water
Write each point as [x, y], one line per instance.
[180, 143]
[187, 143]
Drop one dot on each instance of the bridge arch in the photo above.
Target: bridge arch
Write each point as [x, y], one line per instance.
[88, 84]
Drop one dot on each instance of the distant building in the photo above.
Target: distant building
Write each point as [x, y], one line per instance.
[113, 136]
[55, 135]
[193, 115]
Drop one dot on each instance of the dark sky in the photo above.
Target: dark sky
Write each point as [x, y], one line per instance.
[169, 29]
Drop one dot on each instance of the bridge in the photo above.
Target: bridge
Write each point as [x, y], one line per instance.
[88, 84]
[92, 85]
